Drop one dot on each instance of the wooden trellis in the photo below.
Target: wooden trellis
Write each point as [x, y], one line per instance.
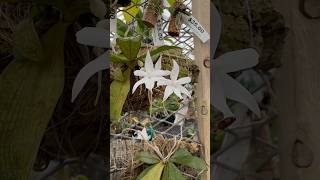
[201, 10]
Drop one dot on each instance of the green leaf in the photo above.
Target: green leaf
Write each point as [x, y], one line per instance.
[118, 58]
[162, 49]
[26, 41]
[144, 172]
[29, 93]
[183, 157]
[122, 28]
[131, 11]
[158, 50]
[117, 74]
[171, 2]
[171, 172]
[118, 94]
[147, 157]
[152, 173]
[130, 46]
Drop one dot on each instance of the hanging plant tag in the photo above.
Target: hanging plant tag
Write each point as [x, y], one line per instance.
[158, 36]
[196, 27]
[113, 23]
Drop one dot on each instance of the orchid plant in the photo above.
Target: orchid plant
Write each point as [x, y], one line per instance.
[125, 54]
[223, 86]
[152, 74]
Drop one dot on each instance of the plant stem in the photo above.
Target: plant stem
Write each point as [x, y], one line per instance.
[150, 101]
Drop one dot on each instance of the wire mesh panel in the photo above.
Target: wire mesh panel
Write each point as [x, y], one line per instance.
[148, 123]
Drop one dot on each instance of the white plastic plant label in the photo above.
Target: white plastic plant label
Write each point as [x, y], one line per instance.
[113, 23]
[196, 27]
[158, 36]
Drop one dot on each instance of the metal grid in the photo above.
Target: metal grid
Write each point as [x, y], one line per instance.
[185, 39]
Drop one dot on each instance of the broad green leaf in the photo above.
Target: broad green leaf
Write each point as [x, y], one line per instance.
[183, 157]
[162, 49]
[29, 92]
[157, 51]
[144, 172]
[130, 46]
[122, 28]
[118, 94]
[117, 74]
[171, 172]
[118, 58]
[152, 173]
[26, 41]
[131, 11]
[147, 157]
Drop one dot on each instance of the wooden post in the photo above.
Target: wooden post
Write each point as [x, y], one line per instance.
[298, 92]
[201, 11]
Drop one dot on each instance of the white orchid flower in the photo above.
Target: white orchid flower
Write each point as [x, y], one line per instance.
[142, 135]
[224, 86]
[97, 37]
[181, 114]
[150, 74]
[175, 85]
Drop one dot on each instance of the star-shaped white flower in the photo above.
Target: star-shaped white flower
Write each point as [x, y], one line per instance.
[97, 37]
[150, 75]
[224, 86]
[175, 85]
[142, 135]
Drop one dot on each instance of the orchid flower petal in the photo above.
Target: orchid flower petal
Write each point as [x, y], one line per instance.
[180, 115]
[185, 91]
[184, 80]
[215, 29]
[168, 91]
[163, 82]
[218, 98]
[158, 73]
[142, 135]
[148, 64]
[99, 64]
[237, 60]
[93, 36]
[139, 73]
[149, 82]
[137, 84]
[177, 92]
[175, 71]
[235, 91]
[158, 64]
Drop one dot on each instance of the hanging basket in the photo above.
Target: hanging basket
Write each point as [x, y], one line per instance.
[151, 13]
